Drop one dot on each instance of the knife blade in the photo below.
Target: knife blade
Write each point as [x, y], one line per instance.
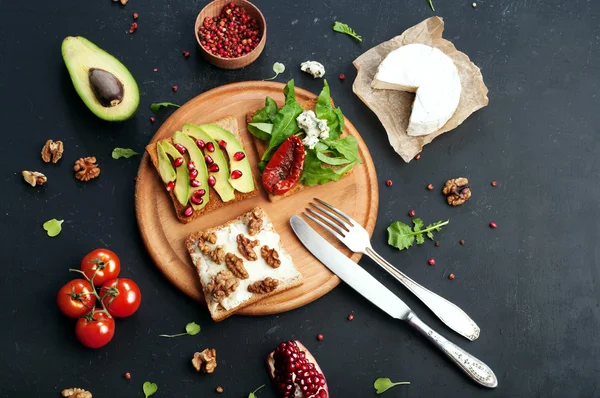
[374, 291]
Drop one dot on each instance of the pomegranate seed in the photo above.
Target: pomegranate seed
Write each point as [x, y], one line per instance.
[342, 76]
[388, 183]
[155, 69]
[186, 54]
[200, 144]
[462, 242]
[136, 15]
[210, 147]
[320, 337]
[197, 200]
[178, 162]
[193, 174]
[180, 148]
[208, 160]
[188, 211]
[431, 261]
[451, 276]
[195, 183]
[212, 181]
[350, 317]
[494, 183]
[175, 88]
[191, 165]
[411, 213]
[418, 156]
[170, 186]
[199, 193]
[239, 156]
[235, 174]
[493, 225]
[430, 187]
[223, 144]
[213, 168]
[152, 119]
[127, 375]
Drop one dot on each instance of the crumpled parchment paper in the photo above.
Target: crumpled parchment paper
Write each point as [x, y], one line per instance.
[393, 107]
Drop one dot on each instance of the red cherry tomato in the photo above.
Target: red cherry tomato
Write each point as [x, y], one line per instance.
[95, 331]
[121, 296]
[105, 261]
[76, 299]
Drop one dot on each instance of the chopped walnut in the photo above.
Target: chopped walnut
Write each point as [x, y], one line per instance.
[246, 247]
[236, 266]
[34, 178]
[123, 2]
[222, 285]
[205, 361]
[217, 254]
[52, 151]
[204, 248]
[267, 285]
[457, 191]
[270, 256]
[255, 222]
[86, 168]
[76, 393]
[219, 389]
[210, 237]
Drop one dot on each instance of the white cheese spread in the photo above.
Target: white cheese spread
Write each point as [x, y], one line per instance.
[314, 68]
[314, 128]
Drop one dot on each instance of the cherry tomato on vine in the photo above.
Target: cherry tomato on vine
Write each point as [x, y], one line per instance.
[95, 331]
[76, 298]
[121, 296]
[105, 261]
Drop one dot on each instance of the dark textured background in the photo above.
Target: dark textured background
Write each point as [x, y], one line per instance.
[532, 284]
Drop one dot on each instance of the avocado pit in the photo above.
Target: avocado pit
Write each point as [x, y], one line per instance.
[107, 88]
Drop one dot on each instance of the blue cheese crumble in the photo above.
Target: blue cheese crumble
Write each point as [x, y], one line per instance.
[314, 128]
[314, 68]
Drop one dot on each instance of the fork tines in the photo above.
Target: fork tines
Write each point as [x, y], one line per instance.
[337, 224]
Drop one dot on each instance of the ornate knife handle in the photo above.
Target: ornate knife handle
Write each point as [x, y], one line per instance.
[473, 367]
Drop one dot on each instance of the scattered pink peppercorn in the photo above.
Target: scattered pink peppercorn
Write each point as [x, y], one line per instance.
[388, 183]
[411, 213]
[418, 156]
[430, 187]
[462, 242]
[431, 261]
[494, 183]
[152, 119]
[451, 276]
[437, 244]
[136, 15]
[155, 69]
[350, 317]
[493, 225]
[186, 54]
[320, 337]
[174, 89]
[127, 376]
[342, 76]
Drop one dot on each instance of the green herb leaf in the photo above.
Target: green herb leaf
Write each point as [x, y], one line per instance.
[157, 106]
[119, 153]
[149, 388]
[315, 174]
[191, 329]
[346, 147]
[261, 131]
[324, 110]
[53, 227]
[278, 68]
[401, 236]
[431, 5]
[383, 384]
[343, 28]
[265, 115]
[253, 393]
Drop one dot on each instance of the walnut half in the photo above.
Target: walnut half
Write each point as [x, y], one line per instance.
[222, 285]
[76, 393]
[205, 361]
[267, 285]
[86, 168]
[236, 266]
[270, 256]
[246, 247]
[457, 191]
[52, 151]
[34, 178]
[255, 222]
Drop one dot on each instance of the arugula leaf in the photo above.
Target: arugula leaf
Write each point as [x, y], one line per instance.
[262, 131]
[401, 236]
[53, 227]
[346, 147]
[253, 393]
[431, 5]
[157, 106]
[325, 156]
[324, 110]
[315, 174]
[343, 28]
[383, 384]
[278, 68]
[264, 116]
[191, 329]
[149, 388]
[119, 153]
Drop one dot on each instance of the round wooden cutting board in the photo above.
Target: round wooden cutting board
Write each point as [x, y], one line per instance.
[356, 194]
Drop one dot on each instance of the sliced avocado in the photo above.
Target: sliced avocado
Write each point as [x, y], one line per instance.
[198, 159]
[165, 167]
[222, 186]
[182, 179]
[102, 81]
[245, 182]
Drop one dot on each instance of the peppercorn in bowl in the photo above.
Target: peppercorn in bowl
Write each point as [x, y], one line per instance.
[231, 34]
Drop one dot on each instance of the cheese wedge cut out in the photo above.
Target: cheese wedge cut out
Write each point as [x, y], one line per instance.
[429, 73]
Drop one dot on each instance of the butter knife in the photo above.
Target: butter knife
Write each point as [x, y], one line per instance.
[370, 288]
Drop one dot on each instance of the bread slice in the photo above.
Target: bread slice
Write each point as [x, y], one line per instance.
[201, 244]
[230, 124]
[261, 147]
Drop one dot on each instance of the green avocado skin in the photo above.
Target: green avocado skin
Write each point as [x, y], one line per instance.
[80, 55]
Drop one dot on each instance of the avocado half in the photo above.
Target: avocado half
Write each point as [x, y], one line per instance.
[102, 81]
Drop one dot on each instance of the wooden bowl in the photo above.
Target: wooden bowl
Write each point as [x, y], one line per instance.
[213, 9]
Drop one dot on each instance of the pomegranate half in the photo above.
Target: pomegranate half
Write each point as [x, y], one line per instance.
[295, 372]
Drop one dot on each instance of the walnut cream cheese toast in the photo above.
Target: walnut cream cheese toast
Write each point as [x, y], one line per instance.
[241, 262]
[204, 167]
[301, 144]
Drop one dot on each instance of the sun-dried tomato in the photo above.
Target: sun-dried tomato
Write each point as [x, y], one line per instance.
[285, 167]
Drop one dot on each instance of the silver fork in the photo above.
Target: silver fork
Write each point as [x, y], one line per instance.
[356, 238]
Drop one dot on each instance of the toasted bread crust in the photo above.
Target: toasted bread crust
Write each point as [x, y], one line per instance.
[228, 123]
